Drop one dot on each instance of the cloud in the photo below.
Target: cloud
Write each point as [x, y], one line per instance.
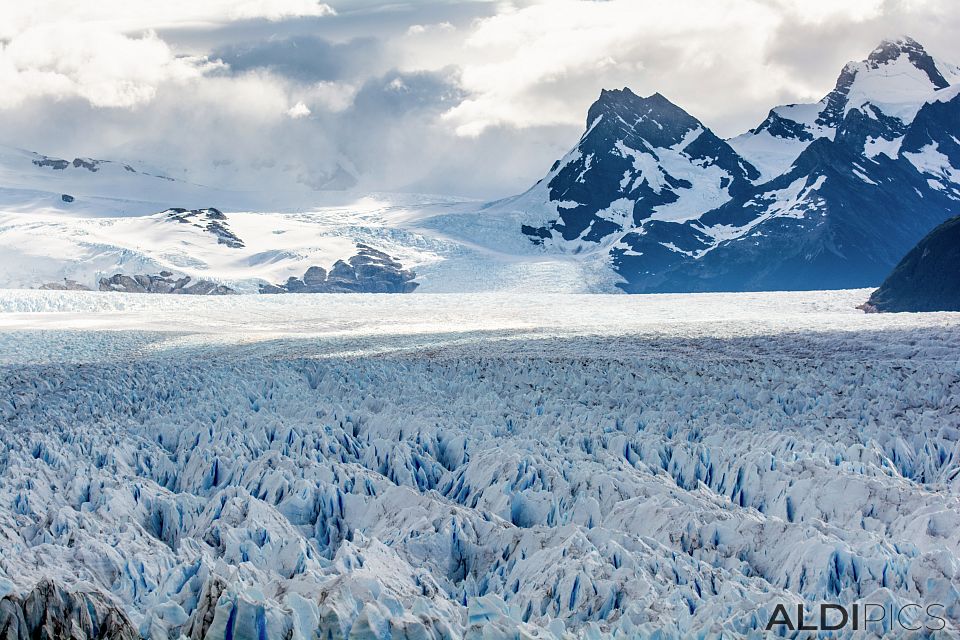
[274, 10]
[107, 52]
[454, 96]
[105, 68]
[139, 15]
[421, 29]
[298, 110]
[725, 61]
[527, 60]
[304, 58]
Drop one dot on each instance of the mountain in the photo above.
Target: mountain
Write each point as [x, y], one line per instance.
[928, 278]
[640, 159]
[818, 196]
[895, 80]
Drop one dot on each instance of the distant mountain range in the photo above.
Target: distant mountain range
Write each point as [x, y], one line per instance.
[827, 195]
[817, 196]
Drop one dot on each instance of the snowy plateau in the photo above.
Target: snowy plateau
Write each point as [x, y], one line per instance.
[471, 465]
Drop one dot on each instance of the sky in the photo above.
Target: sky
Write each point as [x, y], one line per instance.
[462, 97]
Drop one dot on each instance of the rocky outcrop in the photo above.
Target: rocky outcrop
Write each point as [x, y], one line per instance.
[370, 271]
[165, 282]
[52, 612]
[212, 220]
[66, 285]
[928, 277]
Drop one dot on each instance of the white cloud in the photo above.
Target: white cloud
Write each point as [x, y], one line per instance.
[105, 68]
[273, 10]
[107, 52]
[819, 11]
[298, 110]
[521, 56]
[421, 29]
[139, 15]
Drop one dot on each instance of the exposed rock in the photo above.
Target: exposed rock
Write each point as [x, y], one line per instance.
[211, 220]
[87, 163]
[828, 195]
[370, 271]
[928, 277]
[51, 612]
[162, 283]
[54, 163]
[66, 285]
[314, 276]
[67, 197]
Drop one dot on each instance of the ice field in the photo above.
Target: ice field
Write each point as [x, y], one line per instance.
[481, 466]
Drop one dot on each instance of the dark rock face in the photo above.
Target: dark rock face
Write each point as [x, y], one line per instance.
[781, 127]
[51, 612]
[212, 220]
[928, 277]
[87, 163]
[163, 283]
[370, 271]
[67, 197]
[80, 163]
[54, 163]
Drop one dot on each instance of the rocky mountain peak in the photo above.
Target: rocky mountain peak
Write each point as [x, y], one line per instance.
[891, 50]
[623, 115]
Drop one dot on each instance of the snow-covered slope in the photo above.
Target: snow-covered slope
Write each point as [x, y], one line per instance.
[84, 220]
[473, 466]
[267, 248]
[35, 183]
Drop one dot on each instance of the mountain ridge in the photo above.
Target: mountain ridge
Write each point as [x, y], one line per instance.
[677, 209]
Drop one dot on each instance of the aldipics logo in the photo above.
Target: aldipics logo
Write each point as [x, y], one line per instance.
[857, 617]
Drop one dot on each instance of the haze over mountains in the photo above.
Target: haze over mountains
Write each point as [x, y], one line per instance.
[818, 196]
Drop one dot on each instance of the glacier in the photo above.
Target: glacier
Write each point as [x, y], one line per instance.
[470, 466]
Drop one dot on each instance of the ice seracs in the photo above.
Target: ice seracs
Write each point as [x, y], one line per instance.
[573, 475]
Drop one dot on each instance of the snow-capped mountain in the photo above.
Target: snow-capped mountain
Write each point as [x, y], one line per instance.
[895, 81]
[87, 223]
[641, 159]
[825, 195]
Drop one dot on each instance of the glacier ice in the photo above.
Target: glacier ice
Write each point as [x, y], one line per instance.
[666, 485]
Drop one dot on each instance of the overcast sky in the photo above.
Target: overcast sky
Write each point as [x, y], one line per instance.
[464, 97]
